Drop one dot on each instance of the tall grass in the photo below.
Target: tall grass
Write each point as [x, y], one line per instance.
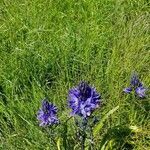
[49, 46]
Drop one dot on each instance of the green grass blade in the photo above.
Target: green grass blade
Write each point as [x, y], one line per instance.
[58, 143]
[101, 123]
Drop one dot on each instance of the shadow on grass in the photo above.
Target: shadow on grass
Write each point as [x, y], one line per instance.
[118, 138]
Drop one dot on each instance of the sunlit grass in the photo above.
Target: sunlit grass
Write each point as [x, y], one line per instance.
[46, 47]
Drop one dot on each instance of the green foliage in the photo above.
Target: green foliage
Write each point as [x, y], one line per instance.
[101, 122]
[46, 47]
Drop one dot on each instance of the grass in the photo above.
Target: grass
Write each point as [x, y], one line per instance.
[49, 46]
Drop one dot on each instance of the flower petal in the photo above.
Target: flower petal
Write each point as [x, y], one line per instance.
[127, 90]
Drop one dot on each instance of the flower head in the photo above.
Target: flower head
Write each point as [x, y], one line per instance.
[140, 91]
[83, 99]
[136, 86]
[47, 114]
[135, 82]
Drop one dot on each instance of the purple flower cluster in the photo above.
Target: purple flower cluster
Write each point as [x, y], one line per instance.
[83, 99]
[47, 114]
[136, 86]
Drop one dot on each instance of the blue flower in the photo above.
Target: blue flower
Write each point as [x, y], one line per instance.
[135, 82]
[47, 114]
[127, 90]
[140, 91]
[136, 86]
[83, 100]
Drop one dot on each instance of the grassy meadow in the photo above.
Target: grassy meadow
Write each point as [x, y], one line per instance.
[47, 47]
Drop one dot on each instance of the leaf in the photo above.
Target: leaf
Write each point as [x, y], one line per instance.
[101, 123]
[58, 143]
